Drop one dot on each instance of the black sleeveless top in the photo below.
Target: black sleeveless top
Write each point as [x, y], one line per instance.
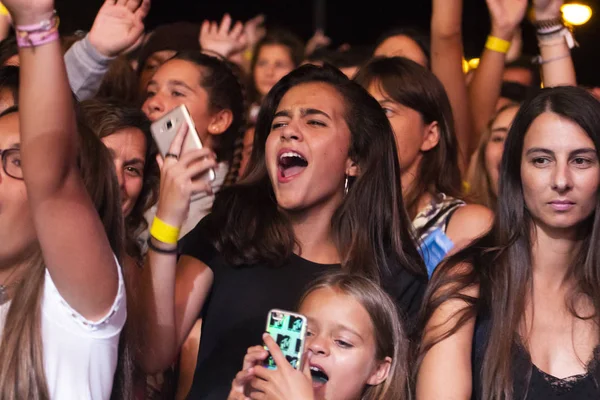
[234, 314]
[529, 382]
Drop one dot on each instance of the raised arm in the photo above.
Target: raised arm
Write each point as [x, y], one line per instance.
[118, 27]
[553, 41]
[74, 244]
[484, 91]
[173, 292]
[446, 64]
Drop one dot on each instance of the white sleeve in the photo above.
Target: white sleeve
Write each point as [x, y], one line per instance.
[57, 310]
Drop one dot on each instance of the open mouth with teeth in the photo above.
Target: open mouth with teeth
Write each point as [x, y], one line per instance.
[318, 376]
[291, 164]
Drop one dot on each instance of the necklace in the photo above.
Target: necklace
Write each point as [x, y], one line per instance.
[5, 289]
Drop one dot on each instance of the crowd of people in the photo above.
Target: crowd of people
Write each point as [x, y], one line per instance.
[435, 226]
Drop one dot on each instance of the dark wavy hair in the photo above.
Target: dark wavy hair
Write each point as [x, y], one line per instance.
[225, 92]
[105, 117]
[501, 260]
[407, 83]
[371, 228]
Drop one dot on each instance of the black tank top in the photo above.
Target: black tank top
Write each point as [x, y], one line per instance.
[529, 382]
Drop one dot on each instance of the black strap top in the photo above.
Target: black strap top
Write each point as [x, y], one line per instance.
[529, 382]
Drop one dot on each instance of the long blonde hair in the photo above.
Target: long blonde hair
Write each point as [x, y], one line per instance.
[478, 180]
[390, 336]
[22, 374]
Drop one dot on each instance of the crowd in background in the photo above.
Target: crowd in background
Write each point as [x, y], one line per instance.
[436, 226]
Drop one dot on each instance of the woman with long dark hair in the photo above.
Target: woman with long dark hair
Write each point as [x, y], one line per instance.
[322, 191]
[419, 111]
[515, 315]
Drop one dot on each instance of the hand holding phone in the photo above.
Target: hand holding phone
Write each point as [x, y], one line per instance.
[285, 381]
[178, 178]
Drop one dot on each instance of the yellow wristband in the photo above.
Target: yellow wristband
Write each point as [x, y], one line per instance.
[3, 10]
[164, 232]
[496, 44]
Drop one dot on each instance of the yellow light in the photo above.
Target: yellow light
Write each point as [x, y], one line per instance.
[473, 63]
[576, 14]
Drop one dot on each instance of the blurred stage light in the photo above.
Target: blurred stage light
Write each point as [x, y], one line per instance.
[576, 13]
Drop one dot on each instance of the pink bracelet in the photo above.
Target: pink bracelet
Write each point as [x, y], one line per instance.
[36, 39]
[38, 34]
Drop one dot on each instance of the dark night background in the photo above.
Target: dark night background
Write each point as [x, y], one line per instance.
[353, 22]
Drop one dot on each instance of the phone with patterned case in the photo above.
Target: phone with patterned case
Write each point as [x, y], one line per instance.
[288, 329]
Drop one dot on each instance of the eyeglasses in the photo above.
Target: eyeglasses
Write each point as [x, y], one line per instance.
[11, 163]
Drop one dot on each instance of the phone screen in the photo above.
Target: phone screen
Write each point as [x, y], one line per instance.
[289, 332]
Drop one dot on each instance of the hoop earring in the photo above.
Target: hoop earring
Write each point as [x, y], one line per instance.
[346, 186]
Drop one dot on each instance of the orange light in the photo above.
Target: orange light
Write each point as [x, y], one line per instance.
[576, 14]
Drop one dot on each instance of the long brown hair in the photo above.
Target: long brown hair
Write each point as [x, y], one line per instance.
[407, 83]
[371, 228]
[105, 117]
[390, 336]
[480, 187]
[22, 374]
[501, 260]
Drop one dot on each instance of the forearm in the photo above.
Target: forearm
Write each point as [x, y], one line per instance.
[484, 90]
[446, 64]
[555, 53]
[48, 128]
[557, 64]
[157, 310]
[446, 19]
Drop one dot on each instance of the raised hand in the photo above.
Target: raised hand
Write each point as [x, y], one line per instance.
[316, 41]
[284, 383]
[506, 16]
[223, 39]
[547, 9]
[119, 26]
[255, 30]
[179, 179]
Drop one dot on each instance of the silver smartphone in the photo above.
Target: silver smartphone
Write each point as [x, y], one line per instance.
[164, 130]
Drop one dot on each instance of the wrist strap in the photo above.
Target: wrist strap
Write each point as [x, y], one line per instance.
[496, 44]
[561, 36]
[545, 25]
[157, 249]
[38, 34]
[539, 60]
[164, 232]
